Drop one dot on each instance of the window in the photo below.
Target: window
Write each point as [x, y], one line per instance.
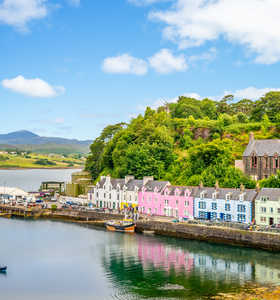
[228, 217]
[155, 211]
[271, 209]
[263, 219]
[202, 204]
[110, 196]
[186, 203]
[263, 209]
[241, 208]
[227, 207]
[264, 198]
[186, 213]
[177, 202]
[104, 195]
[155, 200]
[213, 216]
[166, 202]
[214, 205]
[97, 194]
[241, 218]
[202, 195]
[118, 196]
[228, 196]
[202, 215]
[241, 197]
[214, 195]
[278, 210]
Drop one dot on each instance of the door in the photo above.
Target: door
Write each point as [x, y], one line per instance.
[222, 217]
[208, 216]
[271, 221]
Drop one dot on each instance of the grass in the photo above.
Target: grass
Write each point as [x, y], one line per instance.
[57, 161]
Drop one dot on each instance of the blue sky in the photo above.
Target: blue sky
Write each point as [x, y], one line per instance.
[69, 67]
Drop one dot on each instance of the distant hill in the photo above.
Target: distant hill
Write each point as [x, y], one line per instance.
[24, 139]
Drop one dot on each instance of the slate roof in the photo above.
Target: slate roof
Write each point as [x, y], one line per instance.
[249, 195]
[263, 147]
[173, 188]
[150, 185]
[273, 194]
[134, 182]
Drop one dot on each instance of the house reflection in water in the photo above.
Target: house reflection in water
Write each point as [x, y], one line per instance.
[164, 256]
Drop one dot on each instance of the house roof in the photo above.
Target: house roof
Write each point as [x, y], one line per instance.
[152, 184]
[134, 183]
[249, 195]
[173, 188]
[272, 193]
[263, 147]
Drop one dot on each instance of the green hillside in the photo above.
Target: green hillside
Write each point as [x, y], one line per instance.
[187, 142]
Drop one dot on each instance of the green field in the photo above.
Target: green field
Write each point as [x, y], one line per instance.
[33, 160]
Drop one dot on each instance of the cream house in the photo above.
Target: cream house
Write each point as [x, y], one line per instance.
[267, 207]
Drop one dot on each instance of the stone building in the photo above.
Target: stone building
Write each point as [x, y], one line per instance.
[261, 158]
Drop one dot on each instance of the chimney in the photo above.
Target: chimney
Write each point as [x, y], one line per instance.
[108, 178]
[251, 137]
[217, 185]
[258, 188]
[128, 178]
[201, 184]
[102, 177]
[147, 178]
[242, 187]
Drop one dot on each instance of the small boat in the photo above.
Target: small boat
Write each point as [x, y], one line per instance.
[3, 269]
[149, 232]
[5, 215]
[121, 226]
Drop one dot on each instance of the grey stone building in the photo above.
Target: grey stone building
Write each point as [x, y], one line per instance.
[261, 158]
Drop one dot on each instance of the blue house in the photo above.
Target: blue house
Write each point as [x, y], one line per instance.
[224, 204]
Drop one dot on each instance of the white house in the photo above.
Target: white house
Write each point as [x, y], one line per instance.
[224, 204]
[116, 193]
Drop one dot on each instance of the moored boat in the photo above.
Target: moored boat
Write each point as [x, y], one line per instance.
[3, 269]
[121, 226]
[5, 215]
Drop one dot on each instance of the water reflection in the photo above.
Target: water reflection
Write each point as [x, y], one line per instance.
[170, 268]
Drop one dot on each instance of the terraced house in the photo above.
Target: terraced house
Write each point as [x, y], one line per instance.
[116, 193]
[267, 207]
[232, 205]
[163, 199]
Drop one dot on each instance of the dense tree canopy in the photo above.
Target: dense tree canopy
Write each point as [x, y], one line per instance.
[186, 142]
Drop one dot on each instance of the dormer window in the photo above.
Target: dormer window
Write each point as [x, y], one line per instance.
[241, 197]
[214, 195]
[228, 196]
[166, 192]
[202, 195]
[264, 198]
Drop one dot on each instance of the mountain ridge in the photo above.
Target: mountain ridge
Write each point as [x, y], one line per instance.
[25, 137]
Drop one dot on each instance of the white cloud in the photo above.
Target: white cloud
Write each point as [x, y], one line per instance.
[205, 56]
[36, 87]
[251, 23]
[125, 64]
[165, 62]
[18, 13]
[74, 2]
[146, 2]
[251, 92]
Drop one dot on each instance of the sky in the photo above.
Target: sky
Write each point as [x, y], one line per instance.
[69, 68]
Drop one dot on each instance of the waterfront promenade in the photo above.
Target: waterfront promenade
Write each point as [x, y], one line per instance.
[159, 225]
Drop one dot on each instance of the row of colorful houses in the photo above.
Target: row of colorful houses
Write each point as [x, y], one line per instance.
[160, 198]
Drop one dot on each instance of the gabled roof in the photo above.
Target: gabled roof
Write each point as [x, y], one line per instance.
[134, 183]
[272, 193]
[249, 195]
[172, 189]
[262, 147]
[152, 184]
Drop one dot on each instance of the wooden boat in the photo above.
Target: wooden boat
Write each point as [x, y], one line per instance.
[121, 226]
[5, 215]
[3, 269]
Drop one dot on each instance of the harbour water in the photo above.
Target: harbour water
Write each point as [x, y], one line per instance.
[55, 260]
[30, 179]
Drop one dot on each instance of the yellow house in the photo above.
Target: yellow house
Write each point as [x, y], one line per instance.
[267, 207]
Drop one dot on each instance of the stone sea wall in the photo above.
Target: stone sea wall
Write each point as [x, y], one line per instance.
[222, 235]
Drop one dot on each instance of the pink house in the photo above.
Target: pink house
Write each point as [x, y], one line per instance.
[166, 200]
